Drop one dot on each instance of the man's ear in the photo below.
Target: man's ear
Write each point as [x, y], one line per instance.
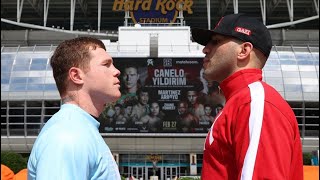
[75, 75]
[246, 49]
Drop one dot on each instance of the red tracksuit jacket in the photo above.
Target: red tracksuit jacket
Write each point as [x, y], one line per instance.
[256, 136]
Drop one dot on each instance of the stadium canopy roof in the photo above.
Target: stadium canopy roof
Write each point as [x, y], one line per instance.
[98, 16]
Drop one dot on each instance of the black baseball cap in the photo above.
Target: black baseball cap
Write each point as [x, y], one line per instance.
[240, 26]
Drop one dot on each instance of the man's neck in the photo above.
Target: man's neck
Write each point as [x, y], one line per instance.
[132, 90]
[84, 103]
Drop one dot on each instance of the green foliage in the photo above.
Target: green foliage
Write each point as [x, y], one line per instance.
[307, 158]
[190, 178]
[14, 161]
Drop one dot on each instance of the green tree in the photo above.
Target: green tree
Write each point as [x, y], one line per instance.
[307, 158]
[14, 161]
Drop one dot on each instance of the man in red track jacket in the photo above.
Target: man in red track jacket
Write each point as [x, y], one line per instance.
[256, 135]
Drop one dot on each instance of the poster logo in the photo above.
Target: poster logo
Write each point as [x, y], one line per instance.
[167, 62]
[153, 11]
[150, 62]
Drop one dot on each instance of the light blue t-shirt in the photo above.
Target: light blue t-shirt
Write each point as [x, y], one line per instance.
[70, 147]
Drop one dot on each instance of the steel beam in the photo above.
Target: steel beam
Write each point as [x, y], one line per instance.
[290, 9]
[19, 9]
[316, 5]
[37, 6]
[235, 6]
[45, 11]
[72, 10]
[263, 11]
[209, 13]
[99, 14]
[272, 5]
[84, 6]
[223, 6]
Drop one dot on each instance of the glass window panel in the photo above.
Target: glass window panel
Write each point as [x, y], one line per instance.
[295, 104]
[310, 88]
[316, 56]
[20, 68]
[16, 119]
[312, 105]
[46, 118]
[291, 74]
[16, 111]
[43, 56]
[292, 88]
[17, 80]
[288, 62]
[54, 104]
[50, 111]
[50, 80]
[307, 68]
[313, 115]
[300, 120]
[4, 87]
[292, 81]
[269, 67]
[16, 130]
[37, 74]
[5, 78]
[42, 48]
[273, 74]
[39, 61]
[24, 49]
[22, 59]
[273, 55]
[289, 67]
[33, 129]
[50, 87]
[298, 112]
[278, 87]
[309, 81]
[293, 96]
[35, 87]
[33, 119]
[36, 80]
[305, 62]
[7, 57]
[34, 103]
[311, 96]
[17, 87]
[3, 130]
[274, 80]
[20, 74]
[38, 67]
[49, 67]
[4, 104]
[3, 117]
[6, 64]
[286, 55]
[273, 62]
[300, 56]
[33, 111]
[16, 104]
[310, 74]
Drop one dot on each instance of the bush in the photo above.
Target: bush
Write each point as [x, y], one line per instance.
[307, 158]
[189, 178]
[14, 161]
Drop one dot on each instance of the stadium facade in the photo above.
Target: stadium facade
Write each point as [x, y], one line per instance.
[29, 96]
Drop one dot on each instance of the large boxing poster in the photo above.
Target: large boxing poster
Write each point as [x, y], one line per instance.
[162, 95]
